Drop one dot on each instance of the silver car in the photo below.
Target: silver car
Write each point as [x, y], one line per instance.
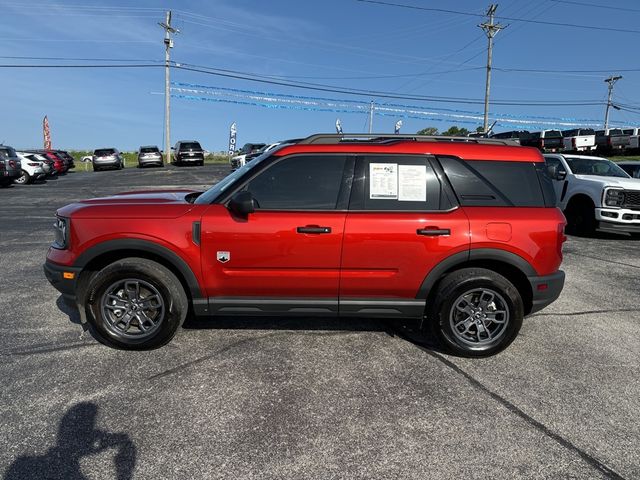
[107, 158]
[149, 156]
[12, 168]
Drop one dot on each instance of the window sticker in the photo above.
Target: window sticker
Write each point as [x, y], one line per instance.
[412, 183]
[383, 181]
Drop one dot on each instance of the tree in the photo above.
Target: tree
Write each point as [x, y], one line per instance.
[428, 131]
[455, 131]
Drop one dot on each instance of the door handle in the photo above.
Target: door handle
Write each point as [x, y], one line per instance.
[313, 229]
[434, 232]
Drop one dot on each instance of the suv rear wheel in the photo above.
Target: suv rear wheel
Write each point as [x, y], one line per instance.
[135, 304]
[476, 312]
[23, 179]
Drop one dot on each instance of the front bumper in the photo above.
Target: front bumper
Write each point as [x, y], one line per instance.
[618, 219]
[56, 275]
[546, 289]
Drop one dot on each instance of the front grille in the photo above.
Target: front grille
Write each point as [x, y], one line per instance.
[631, 198]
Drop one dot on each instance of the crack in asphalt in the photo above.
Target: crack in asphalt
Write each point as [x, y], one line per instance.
[602, 259]
[586, 312]
[236, 344]
[38, 349]
[589, 459]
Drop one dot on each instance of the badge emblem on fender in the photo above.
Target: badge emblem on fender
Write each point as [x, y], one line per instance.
[223, 257]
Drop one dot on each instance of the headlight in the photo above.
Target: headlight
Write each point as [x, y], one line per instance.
[61, 232]
[614, 197]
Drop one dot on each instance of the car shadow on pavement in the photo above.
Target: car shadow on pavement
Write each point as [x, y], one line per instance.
[69, 310]
[77, 438]
[405, 329]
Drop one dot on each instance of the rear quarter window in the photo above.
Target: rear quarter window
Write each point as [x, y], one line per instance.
[499, 183]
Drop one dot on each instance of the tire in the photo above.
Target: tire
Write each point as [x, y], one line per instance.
[472, 293]
[581, 218]
[23, 179]
[109, 304]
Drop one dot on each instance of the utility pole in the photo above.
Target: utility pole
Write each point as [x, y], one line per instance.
[491, 29]
[371, 117]
[611, 81]
[168, 45]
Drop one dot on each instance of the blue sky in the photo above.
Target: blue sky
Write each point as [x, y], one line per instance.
[344, 43]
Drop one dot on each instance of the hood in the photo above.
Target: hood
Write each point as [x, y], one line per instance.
[165, 204]
[626, 183]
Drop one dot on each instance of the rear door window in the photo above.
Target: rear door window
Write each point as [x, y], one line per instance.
[397, 182]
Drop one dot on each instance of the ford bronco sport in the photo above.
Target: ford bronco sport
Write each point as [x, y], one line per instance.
[460, 234]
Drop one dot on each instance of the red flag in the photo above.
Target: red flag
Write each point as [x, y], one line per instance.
[47, 133]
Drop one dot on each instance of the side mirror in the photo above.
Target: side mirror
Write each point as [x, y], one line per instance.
[561, 175]
[242, 203]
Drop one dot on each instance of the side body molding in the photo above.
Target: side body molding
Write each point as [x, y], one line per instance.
[474, 254]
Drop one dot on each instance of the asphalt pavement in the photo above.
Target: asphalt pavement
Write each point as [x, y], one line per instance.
[310, 398]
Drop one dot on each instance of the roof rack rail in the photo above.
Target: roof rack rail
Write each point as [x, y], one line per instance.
[334, 138]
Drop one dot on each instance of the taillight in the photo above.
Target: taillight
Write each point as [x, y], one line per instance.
[12, 163]
[573, 142]
[561, 237]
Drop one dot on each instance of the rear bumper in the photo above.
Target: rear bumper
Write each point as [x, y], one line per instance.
[55, 275]
[546, 290]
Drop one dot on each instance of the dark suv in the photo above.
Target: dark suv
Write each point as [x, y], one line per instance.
[188, 152]
[460, 234]
[11, 165]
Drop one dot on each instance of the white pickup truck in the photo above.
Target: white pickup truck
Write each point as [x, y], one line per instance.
[594, 193]
[579, 139]
[634, 137]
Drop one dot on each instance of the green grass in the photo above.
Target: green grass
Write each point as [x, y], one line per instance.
[131, 159]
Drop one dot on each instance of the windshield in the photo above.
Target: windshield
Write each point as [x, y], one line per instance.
[104, 152]
[595, 166]
[211, 194]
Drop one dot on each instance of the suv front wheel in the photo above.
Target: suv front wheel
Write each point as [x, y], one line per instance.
[476, 312]
[135, 304]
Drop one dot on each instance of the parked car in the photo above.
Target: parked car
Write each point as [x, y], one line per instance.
[11, 165]
[631, 167]
[188, 152]
[60, 164]
[514, 135]
[107, 158]
[634, 135]
[465, 240]
[31, 168]
[579, 139]
[545, 141]
[595, 193]
[239, 159]
[150, 155]
[66, 156]
[611, 139]
[48, 165]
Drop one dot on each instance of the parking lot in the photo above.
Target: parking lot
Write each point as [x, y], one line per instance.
[306, 397]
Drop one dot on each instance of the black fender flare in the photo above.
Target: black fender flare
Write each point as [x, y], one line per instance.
[460, 258]
[144, 246]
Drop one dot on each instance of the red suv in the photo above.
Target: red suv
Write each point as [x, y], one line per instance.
[460, 234]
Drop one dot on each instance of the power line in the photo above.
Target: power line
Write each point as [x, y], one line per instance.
[323, 87]
[18, 57]
[608, 7]
[512, 19]
[79, 66]
[376, 93]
